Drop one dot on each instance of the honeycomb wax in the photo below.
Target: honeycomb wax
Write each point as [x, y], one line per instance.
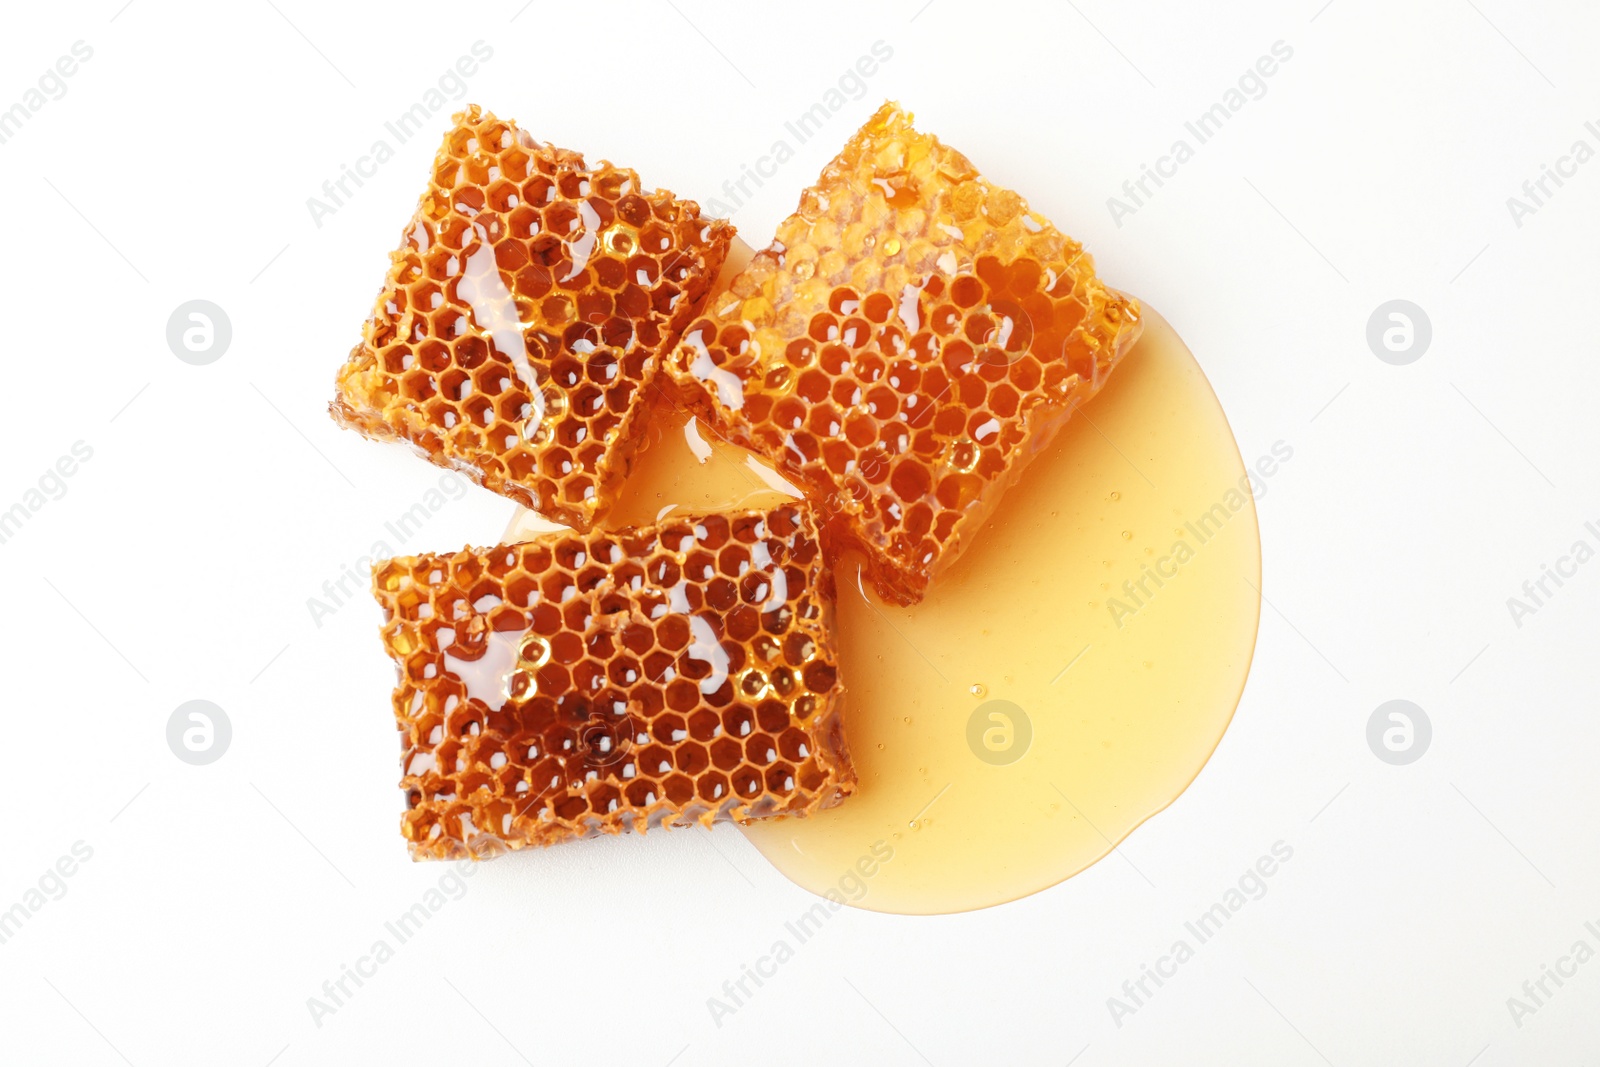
[1031, 682]
[587, 683]
[909, 342]
[1030, 713]
[524, 317]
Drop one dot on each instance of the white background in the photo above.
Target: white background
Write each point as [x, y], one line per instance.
[219, 498]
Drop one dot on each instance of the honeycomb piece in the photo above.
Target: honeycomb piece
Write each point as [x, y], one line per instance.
[524, 316]
[587, 683]
[911, 339]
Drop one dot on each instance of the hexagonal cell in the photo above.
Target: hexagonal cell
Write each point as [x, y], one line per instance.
[478, 409]
[682, 694]
[820, 677]
[571, 807]
[642, 793]
[713, 530]
[657, 666]
[726, 753]
[739, 721]
[605, 799]
[669, 729]
[655, 760]
[704, 725]
[780, 779]
[761, 749]
[588, 676]
[492, 379]
[624, 671]
[794, 745]
[713, 786]
[692, 758]
[678, 788]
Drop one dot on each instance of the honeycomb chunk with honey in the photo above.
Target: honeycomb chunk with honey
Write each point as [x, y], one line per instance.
[911, 339]
[588, 683]
[524, 317]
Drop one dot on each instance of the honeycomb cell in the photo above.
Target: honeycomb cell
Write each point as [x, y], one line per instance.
[498, 326]
[578, 685]
[910, 322]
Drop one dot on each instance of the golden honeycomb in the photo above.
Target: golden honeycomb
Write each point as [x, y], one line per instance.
[911, 339]
[587, 683]
[524, 316]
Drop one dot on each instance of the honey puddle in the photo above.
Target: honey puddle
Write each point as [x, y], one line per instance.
[1033, 710]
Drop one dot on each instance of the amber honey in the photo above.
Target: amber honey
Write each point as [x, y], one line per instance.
[1124, 697]
[1031, 621]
